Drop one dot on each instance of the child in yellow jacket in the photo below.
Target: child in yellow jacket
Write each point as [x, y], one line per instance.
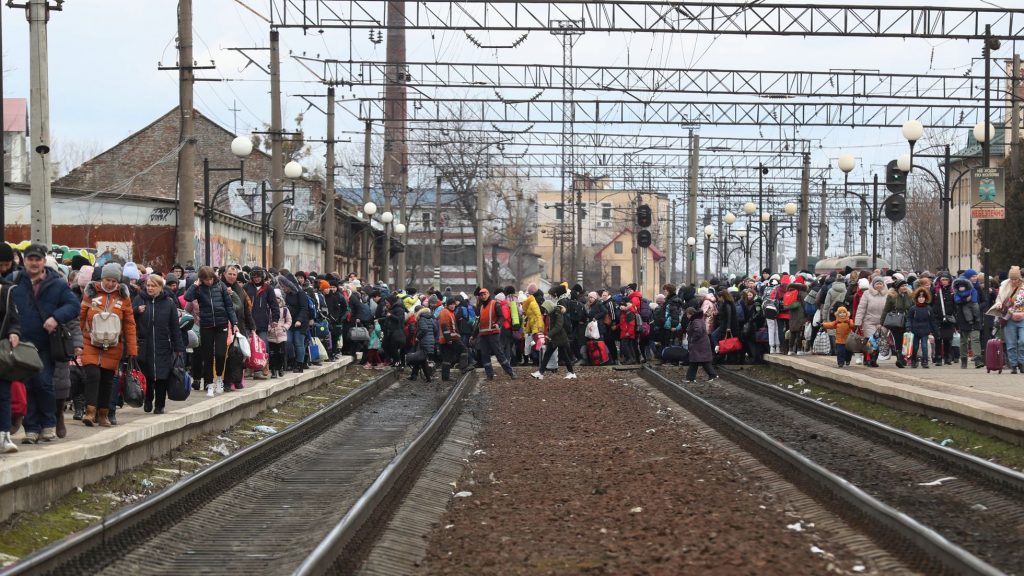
[843, 325]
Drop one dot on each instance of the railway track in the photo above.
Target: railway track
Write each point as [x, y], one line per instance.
[297, 502]
[941, 510]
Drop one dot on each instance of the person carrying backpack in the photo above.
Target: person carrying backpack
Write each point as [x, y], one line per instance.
[215, 313]
[108, 328]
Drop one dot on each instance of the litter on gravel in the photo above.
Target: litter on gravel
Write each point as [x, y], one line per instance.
[463, 494]
[265, 429]
[937, 482]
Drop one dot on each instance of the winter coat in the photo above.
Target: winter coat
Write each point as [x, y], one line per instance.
[920, 320]
[298, 307]
[943, 306]
[337, 307]
[534, 321]
[159, 335]
[360, 310]
[376, 337]
[277, 333]
[709, 308]
[727, 316]
[896, 302]
[968, 310]
[627, 327]
[869, 310]
[243, 310]
[793, 302]
[8, 316]
[699, 345]
[53, 299]
[118, 302]
[395, 323]
[213, 304]
[557, 334]
[62, 371]
[428, 331]
[835, 297]
[265, 310]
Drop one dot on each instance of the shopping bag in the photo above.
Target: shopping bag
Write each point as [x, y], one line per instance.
[133, 384]
[593, 332]
[359, 334]
[553, 362]
[243, 346]
[822, 345]
[19, 399]
[855, 343]
[321, 349]
[258, 356]
[729, 344]
[908, 344]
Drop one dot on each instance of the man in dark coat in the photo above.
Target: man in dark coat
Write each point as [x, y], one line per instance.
[264, 302]
[699, 346]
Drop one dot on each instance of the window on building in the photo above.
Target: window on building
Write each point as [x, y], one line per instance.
[426, 219]
[616, 275]
[618, 247]
[606, 211]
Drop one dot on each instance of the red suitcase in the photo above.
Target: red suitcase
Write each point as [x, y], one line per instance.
[994, 359]
[597, 351]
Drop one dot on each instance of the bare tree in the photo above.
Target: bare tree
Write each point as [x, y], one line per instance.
[70, 154]
[919, 245]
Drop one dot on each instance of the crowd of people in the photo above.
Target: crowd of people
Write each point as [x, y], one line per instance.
[92, 325]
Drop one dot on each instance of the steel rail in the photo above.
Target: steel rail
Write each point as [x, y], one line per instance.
[397, 473]
[1001, 475]
[799, 469]
[202, 486]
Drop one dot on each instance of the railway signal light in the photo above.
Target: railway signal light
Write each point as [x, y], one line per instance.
[895, 179]
[643, 216]
[643, 238]
[895, 207]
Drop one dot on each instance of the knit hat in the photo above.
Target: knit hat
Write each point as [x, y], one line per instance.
[500, 296]
[131, 271]
[77, 261]
[84, 276]
[898, 276]
[842, 311]
[112, 270]
[899, 284]
[433, 301]
[171, 278]
[1014, 273]
[325, 285]
[863, 284]
[278, 293]
[878, 280]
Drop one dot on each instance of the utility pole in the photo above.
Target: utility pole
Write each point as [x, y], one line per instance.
[804, 224]
[691, 206]
[863, 227]
[707, 245]
[1015, 159]
[330, 224]
[276, 152]
[569, 31]
[368, 236]
[395, 156]
[481, 197]
[184, 241]
[440, 233]
[3, 153]
[823, 223]
[38, 13]
[672, 240]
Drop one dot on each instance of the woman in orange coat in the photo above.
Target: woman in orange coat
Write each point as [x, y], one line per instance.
[106, 303]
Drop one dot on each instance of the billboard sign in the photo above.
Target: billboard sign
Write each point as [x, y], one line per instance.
[988, 195]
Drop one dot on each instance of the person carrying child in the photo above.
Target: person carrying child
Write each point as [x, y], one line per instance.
[843, 326]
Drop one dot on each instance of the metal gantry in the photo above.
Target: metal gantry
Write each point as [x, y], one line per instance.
[726, 18]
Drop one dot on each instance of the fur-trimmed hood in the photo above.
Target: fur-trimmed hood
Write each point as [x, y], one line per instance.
[927, 295]
[93, 290]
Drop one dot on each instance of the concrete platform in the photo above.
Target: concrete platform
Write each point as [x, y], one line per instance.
[989, 400]
[40, 473]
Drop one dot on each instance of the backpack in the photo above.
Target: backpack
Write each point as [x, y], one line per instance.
[314, 308]
[106, 328]
[464, 324]
[770, 309]
[645, 309]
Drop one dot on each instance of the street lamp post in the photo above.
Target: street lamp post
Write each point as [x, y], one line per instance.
[691, 242]
[292, 170]
[847, 163]
[241, 147]
[709, 232]
[749, 209]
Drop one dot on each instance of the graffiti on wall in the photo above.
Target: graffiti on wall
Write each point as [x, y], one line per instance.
[119, 252]
[228, 251]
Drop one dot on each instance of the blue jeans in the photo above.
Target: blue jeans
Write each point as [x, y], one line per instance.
[920, 343]
[297, 342]
[841, 356]
[5, 406]
[42, 402]
[1014, 332]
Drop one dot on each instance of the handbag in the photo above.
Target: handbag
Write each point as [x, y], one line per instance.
[243, 346]
[416, 358]
[62, 345]
[593, 331]
[359, 334]
[895, 320]
[179, 381]
[19, 399]
[855, 343]
[133, 384]
[21, 363]
[321, 349]
[729, 344]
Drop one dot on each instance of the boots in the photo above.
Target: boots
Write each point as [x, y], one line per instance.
[62, 430]
[102, 418]
[963, 361]
[7, 446]
[446, 371]
[79, 402]
[89, 418]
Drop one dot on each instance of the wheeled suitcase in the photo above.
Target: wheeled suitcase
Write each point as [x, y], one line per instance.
[597, 352]
[675, 355]
[994, 359]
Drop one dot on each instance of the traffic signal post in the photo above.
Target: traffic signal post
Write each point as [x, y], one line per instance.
[894, 207]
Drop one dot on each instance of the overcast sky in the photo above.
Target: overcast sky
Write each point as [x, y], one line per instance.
[104, 82]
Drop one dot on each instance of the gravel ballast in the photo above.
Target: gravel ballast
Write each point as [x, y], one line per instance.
[593, 476]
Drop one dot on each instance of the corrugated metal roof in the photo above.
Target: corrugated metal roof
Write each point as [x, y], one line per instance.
[15, 115]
